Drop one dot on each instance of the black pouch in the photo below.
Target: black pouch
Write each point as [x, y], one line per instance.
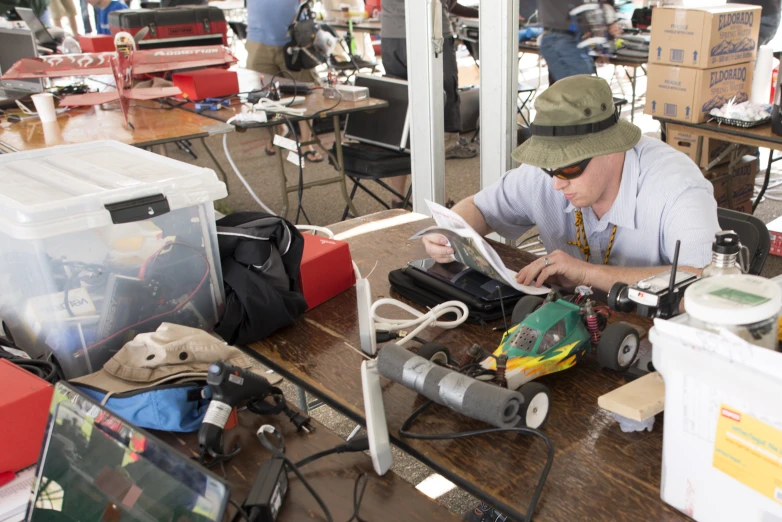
[480, 311]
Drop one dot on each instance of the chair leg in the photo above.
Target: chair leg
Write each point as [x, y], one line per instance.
[346, 213]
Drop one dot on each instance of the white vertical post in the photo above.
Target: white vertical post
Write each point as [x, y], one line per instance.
[425, 76]
[499, 50]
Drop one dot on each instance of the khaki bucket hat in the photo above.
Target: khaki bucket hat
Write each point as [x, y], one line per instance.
[575, 120]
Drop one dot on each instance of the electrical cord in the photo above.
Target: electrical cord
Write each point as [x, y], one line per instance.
[45, 370]
[421, 321]
[351, 446]
[404, 432]
[239, 174]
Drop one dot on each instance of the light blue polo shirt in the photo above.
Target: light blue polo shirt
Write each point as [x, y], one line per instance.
[663, 197]
[268, 20]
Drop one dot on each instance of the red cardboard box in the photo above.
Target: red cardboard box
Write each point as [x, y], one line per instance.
[775, 231]
[96, 43]
[326, 269]
[207, 83]
[24, 412]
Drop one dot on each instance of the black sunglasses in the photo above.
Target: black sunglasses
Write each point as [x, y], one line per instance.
[569, 172]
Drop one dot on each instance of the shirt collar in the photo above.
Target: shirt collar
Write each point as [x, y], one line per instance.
[622, 212]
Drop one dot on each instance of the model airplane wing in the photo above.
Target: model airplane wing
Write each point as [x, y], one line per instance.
[159, 60]
[151, 93]
[91, 98]
[59, 65]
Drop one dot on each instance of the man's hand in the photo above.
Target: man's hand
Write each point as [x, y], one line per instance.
[437, 247]
[569, 271]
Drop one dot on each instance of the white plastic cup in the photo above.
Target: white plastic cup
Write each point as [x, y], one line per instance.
[44, 105]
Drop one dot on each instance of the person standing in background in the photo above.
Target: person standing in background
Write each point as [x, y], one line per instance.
[769, 17]
[559, 42]
[267, 34]
[102, 10]
[61, 9]
[393, 45]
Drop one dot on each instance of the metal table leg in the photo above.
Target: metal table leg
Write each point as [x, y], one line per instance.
[281, 172]
[221, 173]
[340, 160]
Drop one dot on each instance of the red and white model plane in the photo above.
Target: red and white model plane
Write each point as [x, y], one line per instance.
[124, 64]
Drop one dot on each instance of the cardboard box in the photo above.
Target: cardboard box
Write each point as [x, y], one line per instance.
[684, 94]
[730, 189]
[686, 141]
[96, 43]
[24, 412]
[206, 83]
[704, 37]
[744, 206]
[326, 269]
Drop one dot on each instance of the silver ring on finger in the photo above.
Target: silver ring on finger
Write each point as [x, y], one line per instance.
[547, 262]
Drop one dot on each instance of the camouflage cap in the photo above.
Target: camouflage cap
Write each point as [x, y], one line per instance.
[575, 119]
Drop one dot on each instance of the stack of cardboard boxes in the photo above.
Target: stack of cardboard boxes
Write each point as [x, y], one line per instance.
[700, 58]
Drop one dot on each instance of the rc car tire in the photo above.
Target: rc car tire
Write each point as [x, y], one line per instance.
[435, 352]
[525, 306]
[537, 403]
[618, 347]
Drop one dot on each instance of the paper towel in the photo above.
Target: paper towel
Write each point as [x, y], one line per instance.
[761, 80]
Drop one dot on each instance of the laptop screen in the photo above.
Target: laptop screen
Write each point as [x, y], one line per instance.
[16, 44]
[34, 23]
[96, 466]
[394, 133]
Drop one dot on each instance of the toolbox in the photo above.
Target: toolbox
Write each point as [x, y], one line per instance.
[182, 26]
[102, 241]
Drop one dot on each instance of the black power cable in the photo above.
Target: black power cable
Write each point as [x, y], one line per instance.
[404, 432]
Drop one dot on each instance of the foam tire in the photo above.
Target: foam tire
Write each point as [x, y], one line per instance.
[435, 352]
[618, 347]
[525, 306]
[537, 404]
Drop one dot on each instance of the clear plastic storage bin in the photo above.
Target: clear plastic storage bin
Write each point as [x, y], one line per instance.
[101, 241]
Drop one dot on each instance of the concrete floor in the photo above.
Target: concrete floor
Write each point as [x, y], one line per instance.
[324, 205]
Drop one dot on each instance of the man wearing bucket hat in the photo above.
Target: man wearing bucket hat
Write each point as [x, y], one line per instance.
[609, 203]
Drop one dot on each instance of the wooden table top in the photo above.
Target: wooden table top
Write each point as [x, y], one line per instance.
[386, 498]
[85, 124]
[760, 136]
[599, 472]
[315, 104]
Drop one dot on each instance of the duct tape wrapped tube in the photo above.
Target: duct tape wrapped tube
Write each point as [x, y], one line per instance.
[475, 399]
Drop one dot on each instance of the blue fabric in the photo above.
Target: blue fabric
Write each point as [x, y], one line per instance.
[102, 15]
[162, 408]
[563, 57]
[268, 21]
[529, 33]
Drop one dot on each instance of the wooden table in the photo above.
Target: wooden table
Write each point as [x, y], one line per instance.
[85, 124]
[599, 472]
[386, 498]
[315, 106]
[626, 62]
[760, 136]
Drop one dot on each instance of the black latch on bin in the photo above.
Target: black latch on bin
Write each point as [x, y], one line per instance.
[138, 209]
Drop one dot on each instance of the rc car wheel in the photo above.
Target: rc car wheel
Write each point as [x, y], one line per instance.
[525, 306]
[537, 403]
[618, 347]
[435, 352]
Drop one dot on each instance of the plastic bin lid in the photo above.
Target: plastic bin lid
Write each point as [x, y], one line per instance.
[65, 189]
[733, 300]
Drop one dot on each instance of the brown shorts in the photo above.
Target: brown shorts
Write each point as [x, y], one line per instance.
[268, 59]
[62, 8]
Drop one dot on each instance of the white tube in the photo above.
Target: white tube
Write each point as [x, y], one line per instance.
[239, 174]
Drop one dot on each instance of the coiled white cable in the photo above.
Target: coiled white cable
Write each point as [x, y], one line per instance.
[421, 321]
[315, 228]
[239, 174]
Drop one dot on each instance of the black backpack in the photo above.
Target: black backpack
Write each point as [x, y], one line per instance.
[260, 256]
[301, 52]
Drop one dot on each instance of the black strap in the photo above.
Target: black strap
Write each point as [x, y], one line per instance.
[574, 130]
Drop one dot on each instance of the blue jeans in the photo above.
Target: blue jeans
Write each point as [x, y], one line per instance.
[563, 57]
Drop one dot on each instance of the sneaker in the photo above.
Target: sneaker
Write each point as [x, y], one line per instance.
[461, 150]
